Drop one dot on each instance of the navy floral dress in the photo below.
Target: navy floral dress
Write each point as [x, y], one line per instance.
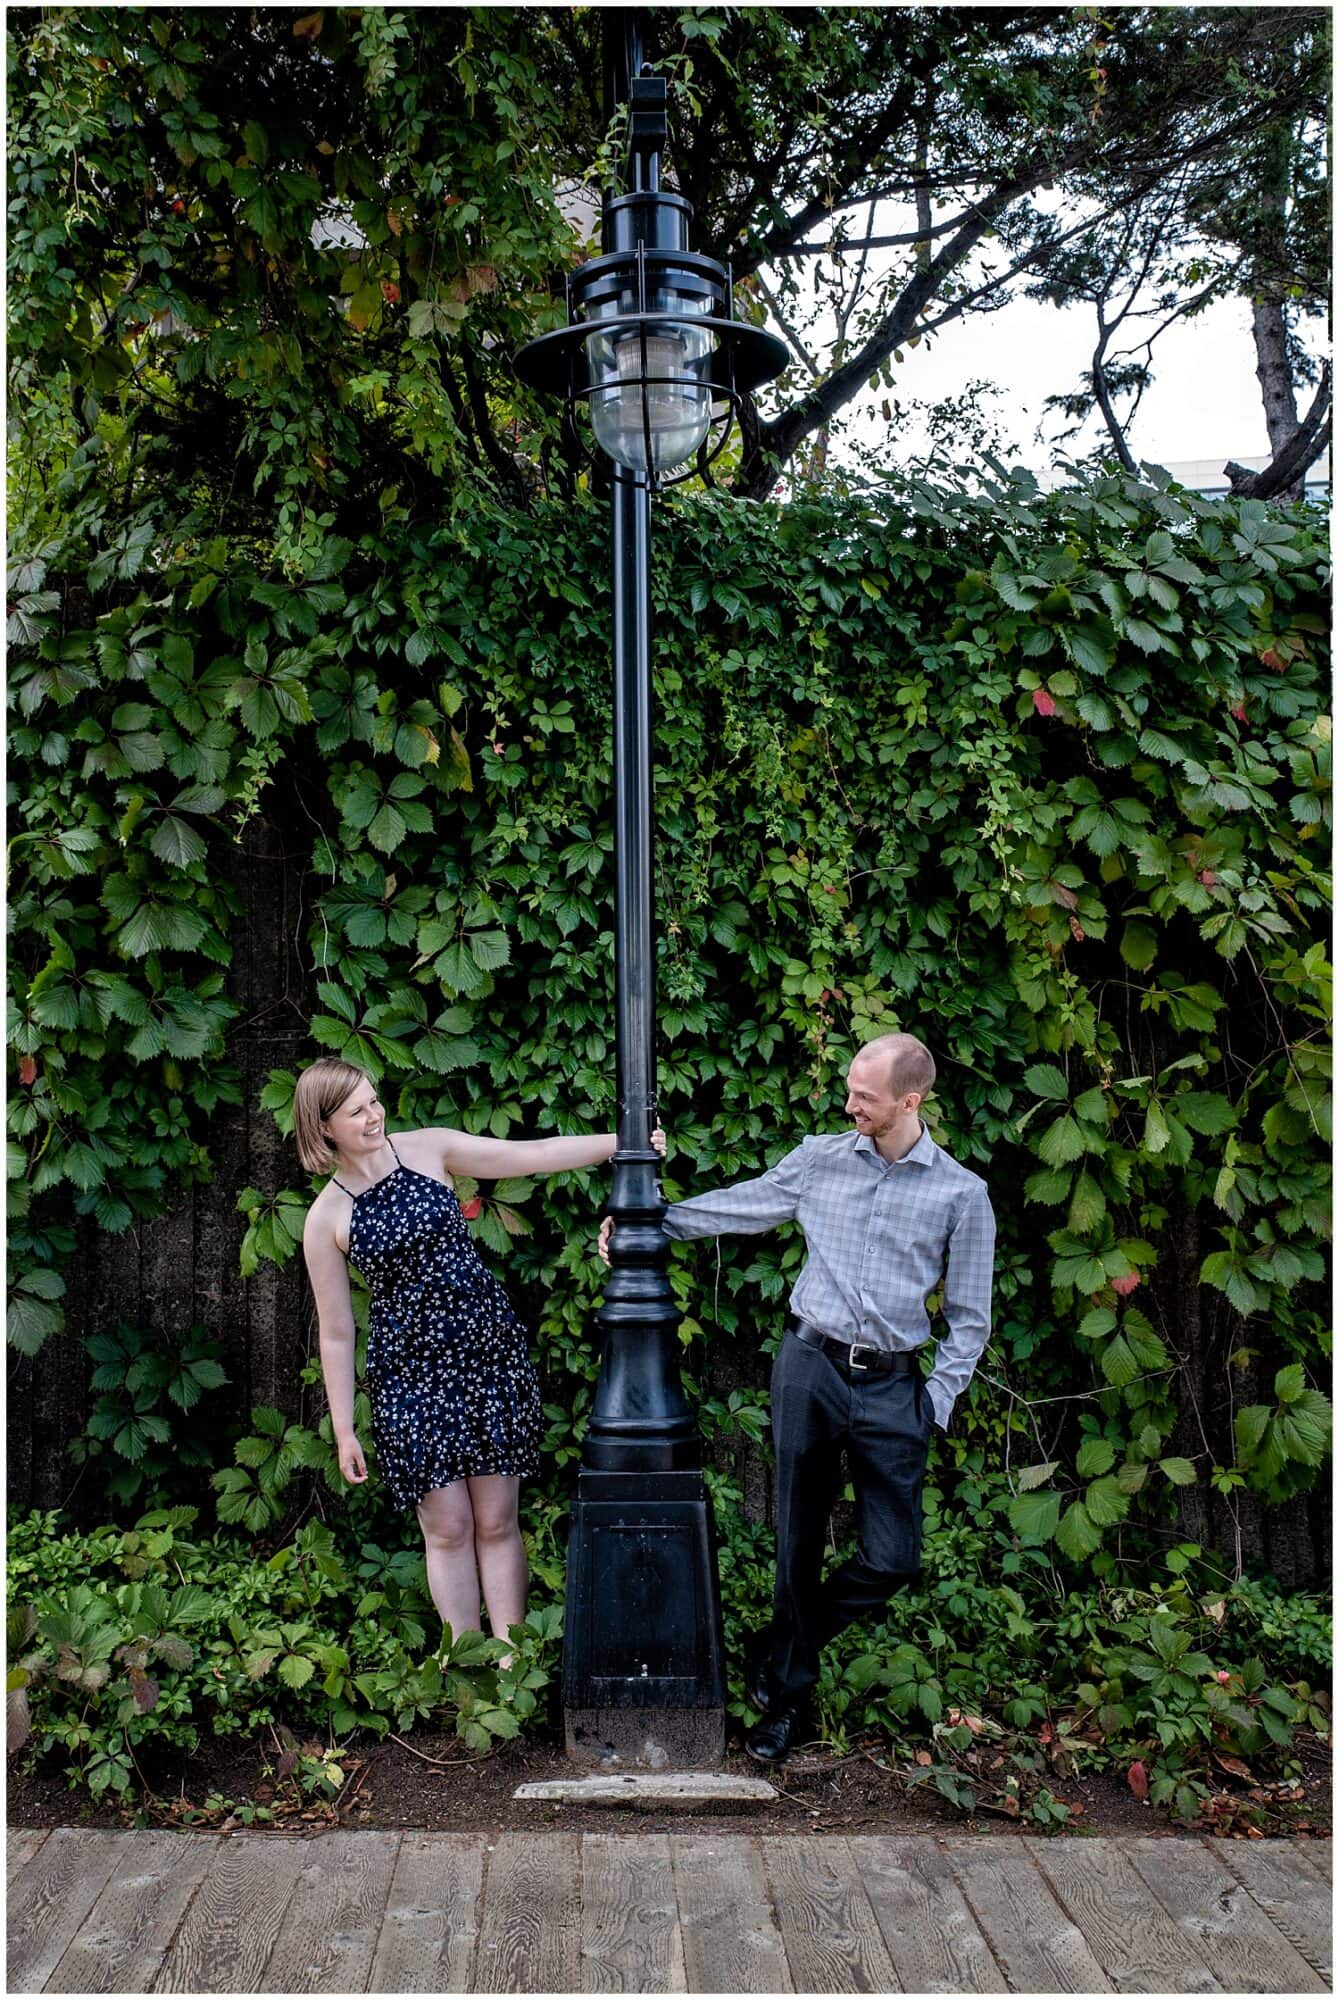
[452, 1390]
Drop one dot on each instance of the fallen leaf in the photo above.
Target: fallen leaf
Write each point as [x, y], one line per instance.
[1232, 1764]
[1137, 1778]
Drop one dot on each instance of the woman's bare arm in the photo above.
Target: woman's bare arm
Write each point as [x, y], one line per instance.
[328, 1271]
[499, 1159]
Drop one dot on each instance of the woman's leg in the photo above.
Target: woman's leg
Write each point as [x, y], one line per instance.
[447, 1520]
[499, 1549]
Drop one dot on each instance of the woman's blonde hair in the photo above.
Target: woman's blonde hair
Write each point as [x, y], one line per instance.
[322, 1088]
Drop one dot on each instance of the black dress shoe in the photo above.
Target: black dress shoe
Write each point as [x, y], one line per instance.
[772, 1740]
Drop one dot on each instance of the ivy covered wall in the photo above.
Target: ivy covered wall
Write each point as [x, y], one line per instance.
[1044, 779]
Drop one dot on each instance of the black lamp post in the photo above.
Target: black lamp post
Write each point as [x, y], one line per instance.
[654, 352]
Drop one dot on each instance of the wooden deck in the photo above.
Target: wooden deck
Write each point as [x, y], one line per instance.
[625, 1912]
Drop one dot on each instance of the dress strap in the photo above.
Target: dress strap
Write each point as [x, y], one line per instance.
[391, 1143]
[346, 1190]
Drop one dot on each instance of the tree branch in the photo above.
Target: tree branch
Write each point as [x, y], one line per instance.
[501, 461]
[1301, 452]
[775, 307]
[782, 235]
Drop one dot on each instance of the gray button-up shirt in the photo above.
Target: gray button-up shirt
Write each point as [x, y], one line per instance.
[879, 1236]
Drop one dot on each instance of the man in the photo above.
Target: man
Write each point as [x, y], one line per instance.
[883, 1208]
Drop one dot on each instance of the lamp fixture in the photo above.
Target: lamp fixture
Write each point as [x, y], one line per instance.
[652, 346]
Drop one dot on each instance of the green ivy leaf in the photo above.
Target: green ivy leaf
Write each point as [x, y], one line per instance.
[1105, 1503]
[1033, 1516]
[1061, 1142]
[1077, 1535]
[1138, 946]
[1118, 1363]
[1087, 1206]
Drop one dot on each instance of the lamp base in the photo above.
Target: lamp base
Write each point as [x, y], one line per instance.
[644, 1652]
[661, 1739]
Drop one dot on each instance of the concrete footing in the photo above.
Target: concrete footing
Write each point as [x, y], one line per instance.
[656, 1791]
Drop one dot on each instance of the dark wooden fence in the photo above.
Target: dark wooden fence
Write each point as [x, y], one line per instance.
[182, 1269]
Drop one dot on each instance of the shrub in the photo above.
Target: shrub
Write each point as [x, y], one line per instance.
[127, 1643]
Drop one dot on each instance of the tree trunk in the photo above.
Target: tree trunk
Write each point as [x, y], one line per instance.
[1274, 373]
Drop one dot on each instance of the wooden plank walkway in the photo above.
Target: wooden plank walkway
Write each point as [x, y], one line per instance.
[627, 1912]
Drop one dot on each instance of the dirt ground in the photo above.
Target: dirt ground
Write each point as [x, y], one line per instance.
[435, 1784]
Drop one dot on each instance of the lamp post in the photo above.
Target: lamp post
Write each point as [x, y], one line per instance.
[652, 349]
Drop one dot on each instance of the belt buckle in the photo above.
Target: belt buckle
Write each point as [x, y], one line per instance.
[861, 1367]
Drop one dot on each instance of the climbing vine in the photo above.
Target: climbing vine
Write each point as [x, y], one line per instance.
[1044, 777]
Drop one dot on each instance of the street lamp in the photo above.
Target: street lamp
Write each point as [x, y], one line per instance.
[654, 354]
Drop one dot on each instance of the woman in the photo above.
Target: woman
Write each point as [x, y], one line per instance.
[455, 1403]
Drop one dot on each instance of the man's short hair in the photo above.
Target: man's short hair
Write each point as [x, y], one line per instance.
[911, 1067]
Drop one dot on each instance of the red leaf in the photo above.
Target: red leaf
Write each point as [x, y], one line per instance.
[1124, 1286]
[469, 1209]
[27, 1070]
[1238, 709]
[390, 292]
[1138, 1778]
[143, 1689]
[1208, 878]
[1270, 658]
[1043, 703]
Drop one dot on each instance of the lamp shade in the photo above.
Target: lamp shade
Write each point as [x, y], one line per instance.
[650, 387]
[652, 346]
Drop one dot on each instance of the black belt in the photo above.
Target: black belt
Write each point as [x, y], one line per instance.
[861, 1360]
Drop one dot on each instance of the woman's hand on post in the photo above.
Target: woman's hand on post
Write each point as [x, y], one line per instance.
[659, 1141]
[351, 1461]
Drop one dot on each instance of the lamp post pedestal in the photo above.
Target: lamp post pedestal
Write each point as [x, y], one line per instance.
[643, 1650]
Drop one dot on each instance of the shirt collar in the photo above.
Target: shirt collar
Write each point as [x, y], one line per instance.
[922, 1153]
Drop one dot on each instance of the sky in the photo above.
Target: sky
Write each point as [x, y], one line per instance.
[1204, 401]
[1202, 404]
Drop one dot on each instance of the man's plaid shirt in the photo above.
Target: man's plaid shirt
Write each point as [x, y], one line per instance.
[880, 1237]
